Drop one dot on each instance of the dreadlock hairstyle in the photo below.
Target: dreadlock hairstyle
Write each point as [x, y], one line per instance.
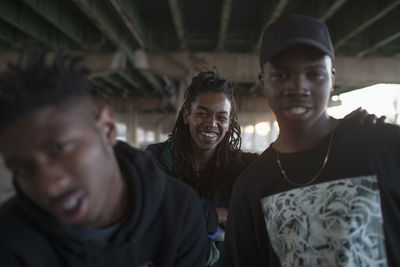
[180, 137]
[33, 83]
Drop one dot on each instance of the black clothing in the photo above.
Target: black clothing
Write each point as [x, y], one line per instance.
[349, 216]
[214, 185]
[165, 226]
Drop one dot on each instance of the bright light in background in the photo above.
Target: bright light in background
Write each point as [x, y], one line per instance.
[276, 125]
[121, 131]
[335, 98]
[249, 129]
[379, 99]
[263, 128]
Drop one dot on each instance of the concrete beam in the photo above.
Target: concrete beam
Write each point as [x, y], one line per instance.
[225, 15]
[126, 14]
[367, 23]
[11, 36]
[24, 19]
[279, 8]
[162, 65]
[367, 71]
[332, 10]
[134, 104]
[244, 68]
[379, 44]
[177, 17]
[62, 15]
[99, 64]
[100, 15]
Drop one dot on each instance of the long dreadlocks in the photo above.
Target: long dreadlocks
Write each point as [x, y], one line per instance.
[180, 137]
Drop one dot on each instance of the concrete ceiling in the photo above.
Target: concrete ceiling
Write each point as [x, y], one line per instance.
[144, 49]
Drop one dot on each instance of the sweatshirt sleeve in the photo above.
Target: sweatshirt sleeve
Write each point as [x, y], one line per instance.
[10, 258]
[241, 242]
[194, 246]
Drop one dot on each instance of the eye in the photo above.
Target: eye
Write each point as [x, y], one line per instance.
[316, 74]
[59, 146]
[223, 118]
[202, 114]
[278, 75]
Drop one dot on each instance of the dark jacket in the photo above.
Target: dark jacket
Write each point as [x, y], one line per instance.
[165, 228]
[214, 187]
[219, 178]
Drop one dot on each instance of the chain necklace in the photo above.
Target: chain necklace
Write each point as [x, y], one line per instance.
[316, 175]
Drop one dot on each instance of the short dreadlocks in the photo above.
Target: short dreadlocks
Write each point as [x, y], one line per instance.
[33, 83]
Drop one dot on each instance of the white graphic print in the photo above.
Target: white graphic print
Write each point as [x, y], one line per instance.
[336, 223]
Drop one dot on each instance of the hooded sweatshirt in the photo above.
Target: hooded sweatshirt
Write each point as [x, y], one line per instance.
[165, 226]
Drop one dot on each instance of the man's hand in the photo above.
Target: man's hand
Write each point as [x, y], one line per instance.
[363, 117]
[222, 216]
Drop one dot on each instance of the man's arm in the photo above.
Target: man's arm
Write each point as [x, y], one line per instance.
[194, 247]
[363, 117]
[9, 259]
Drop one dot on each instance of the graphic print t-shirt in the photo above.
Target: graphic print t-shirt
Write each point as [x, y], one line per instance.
[335, 223]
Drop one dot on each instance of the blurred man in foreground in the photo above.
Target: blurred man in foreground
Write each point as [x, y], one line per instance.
[84, 199]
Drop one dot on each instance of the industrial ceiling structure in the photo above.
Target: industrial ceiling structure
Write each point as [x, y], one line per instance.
[145, 50]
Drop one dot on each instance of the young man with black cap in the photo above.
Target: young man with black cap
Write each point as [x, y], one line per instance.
[326, 192]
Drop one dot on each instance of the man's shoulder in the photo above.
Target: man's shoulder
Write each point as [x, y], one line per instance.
[150, 174]
[248, 157]
[177, 188]
[15, 228]
[380, 133]
[142, 160]
[258, 166]
[159, 146]
[9, 213]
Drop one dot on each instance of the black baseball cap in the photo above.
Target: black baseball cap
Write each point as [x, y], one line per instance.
[292, 30]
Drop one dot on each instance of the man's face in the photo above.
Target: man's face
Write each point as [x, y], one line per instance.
[208, 120]
[62, 160]
[297, 84]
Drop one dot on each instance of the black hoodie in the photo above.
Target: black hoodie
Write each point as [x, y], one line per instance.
[165, 227]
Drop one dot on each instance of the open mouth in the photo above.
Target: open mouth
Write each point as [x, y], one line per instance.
[209, 134]
[72, 207]
[297, 110]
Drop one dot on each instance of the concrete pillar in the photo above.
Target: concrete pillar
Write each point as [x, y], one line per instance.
[158, 133]
[132, 123]
[183, 85]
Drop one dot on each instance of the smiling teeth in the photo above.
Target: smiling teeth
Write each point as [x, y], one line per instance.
[208, 134]
[71, 204]
[297, 110]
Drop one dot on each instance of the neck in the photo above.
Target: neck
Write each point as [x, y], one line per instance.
[201, 159]
[295, 140]
[118, 204]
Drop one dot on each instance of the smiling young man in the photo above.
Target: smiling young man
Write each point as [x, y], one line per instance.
[204, 149]
[326, 192]
[83, 198]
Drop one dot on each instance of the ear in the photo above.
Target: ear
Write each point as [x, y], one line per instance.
[185, 116]
[106, 125]
[261, 79]
[333, 78]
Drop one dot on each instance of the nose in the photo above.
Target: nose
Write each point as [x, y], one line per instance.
[211, 121]
[297, 85]
[51, 178]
